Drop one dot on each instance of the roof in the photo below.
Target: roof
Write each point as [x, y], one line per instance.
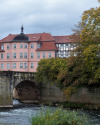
[46, 37]
[47, 46]
[63, 39]
[21, 37]
[32, 37]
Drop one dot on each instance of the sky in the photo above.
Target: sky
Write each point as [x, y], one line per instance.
[57, 17]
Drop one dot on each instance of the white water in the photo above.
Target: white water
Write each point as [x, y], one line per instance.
[21, 113]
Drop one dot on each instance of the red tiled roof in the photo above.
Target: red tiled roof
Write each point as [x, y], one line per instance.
[46, 37]
[63, 39]
[32, 37]
[47, 46]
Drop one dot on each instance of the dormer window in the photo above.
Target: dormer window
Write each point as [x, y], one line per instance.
[2, 47]
[38, 45]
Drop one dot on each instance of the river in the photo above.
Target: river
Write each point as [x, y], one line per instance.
[20, 114]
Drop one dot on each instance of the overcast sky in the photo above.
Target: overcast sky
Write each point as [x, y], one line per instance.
[37, 16]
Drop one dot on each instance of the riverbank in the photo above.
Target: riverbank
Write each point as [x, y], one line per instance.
[86, 106]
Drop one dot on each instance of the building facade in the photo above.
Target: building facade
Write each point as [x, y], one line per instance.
[23, 52]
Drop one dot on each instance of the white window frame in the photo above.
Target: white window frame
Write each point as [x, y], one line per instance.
[8, 46]
[21, 55]
[32, 46]
[32, 55]
[49, 54]
[2, 56]
[25, 55]
[8, 65]
[14, 46]
[25, 46]
[2, 66]
[8, 55]
[21, 46]
[14, 55]
[66, 54]
[14, 65]
[44, 55]
[32, 65]
[21, 65]
[25, 65]
[61, 46]
[61, 54]
[2, 47]
[38, 55]
[66, 45]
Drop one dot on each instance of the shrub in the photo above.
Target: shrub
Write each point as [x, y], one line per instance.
[59, 117]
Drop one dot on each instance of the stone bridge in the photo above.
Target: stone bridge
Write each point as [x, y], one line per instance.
[18, 85]
[22, 86]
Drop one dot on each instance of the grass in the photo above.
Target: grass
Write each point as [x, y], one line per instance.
[59, 117]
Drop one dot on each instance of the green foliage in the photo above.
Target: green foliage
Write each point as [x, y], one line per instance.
[69, 91]
[90, 33]
[59, 117]
[49, 69]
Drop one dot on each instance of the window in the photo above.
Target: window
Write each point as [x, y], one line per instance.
[44, 55]
[32, 45]
[8, 66]
[32, 55]
[32, 65]
[21, 65]
[61, 46]
[14, 65]
[2, 47]
[14, 55]
[2, 65]
[61, 54]
[37, 65]
[66, 45]
[25, 65]
[38, 55]
[21, 45]
[66, 54]
[25, 45]
[8, 55]
[25, 55]
[8, 46]
[14, 46]
[1, 55]
[49, 54]
[21, 55]
[38, 45]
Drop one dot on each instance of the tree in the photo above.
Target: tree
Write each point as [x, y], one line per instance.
[91, 27]
[49, 69]
[85, 68]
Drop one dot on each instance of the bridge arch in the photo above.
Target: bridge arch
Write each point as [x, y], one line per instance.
[26, 90]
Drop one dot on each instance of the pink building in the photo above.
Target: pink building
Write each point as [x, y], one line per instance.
[23, 52]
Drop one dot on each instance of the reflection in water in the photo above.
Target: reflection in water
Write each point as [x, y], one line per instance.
[19, 115]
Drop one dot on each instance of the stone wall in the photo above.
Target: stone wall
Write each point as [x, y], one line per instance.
[86, 95]
[6, 99]
[51, 93]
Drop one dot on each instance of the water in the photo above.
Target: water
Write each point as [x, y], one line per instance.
[20, 114]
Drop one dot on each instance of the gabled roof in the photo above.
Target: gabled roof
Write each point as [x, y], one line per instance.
[63, 39]
[47, 46]
[32, 37]
[46, 37]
